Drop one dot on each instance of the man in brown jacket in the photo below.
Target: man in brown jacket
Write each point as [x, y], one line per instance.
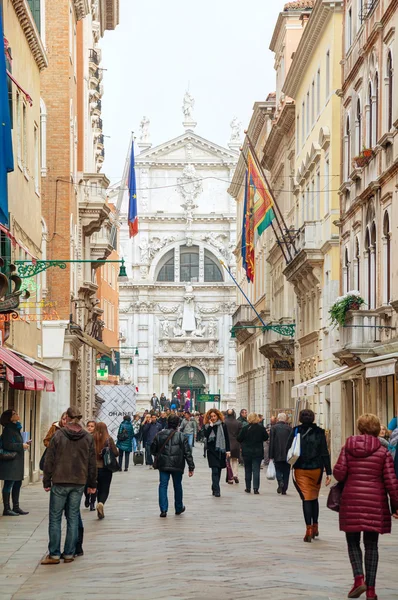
[70, 463]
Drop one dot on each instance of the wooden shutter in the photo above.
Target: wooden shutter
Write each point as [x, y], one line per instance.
[35, 9]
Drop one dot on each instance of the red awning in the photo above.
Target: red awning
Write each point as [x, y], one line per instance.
[32, 378]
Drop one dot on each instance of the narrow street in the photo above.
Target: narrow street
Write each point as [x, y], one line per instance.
[238, 546]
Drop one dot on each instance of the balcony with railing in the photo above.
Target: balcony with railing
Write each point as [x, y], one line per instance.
[93, 207]
[93, 58]
[243, 317]
[307, 254]
[365, 329]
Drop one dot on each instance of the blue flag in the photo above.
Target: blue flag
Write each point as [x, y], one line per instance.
[133, 209]
[6, 154]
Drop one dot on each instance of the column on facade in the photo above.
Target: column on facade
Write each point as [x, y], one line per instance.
[177, 263]
[372, 276]
[385, 270]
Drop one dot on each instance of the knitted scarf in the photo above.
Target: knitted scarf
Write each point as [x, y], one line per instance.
[220, 438]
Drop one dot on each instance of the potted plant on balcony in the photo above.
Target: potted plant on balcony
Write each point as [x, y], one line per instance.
[350, 301]
[364, 157]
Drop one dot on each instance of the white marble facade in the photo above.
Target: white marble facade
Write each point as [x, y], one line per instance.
[177, 305]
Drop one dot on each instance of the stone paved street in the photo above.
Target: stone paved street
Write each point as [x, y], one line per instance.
[235, 547]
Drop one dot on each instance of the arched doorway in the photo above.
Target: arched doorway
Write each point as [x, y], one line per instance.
[196, 383]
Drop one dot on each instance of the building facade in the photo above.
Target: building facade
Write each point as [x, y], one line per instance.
[75, 203]
[175, 310]
[369, 118]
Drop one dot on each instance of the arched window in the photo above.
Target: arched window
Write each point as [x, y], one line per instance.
[357, 266]
[346, 272]
[370, 128]
[359, 127]
[212, 270]
[348, 148]
[376, 107]
[166, 272]
[390, 83]
[387, 259]
[189, 266]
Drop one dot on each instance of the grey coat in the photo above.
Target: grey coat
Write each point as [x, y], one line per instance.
[233, 426]
[12, 470]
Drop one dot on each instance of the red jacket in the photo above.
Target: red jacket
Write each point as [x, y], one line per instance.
[367, 469]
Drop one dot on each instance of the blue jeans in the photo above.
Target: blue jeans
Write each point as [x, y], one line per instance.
[64, 498]
[148, 455]
[164, 484]
[136, 444]
[189, 437]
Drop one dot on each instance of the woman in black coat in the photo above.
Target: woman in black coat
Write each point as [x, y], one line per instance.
[218, 449]
[12, 471]
[252, 438]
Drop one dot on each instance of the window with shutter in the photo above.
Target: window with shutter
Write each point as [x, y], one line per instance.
[34, 6]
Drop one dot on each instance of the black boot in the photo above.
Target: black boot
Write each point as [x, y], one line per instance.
[7, 512]
[79, 543]
[92, 502]
[15, 501]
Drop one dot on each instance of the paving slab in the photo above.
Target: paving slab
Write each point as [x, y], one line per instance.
[238, 546]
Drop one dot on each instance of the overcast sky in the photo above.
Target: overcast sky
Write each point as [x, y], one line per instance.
[220, 48]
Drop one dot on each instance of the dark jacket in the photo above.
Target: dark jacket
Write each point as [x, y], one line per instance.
[243, 421]
[234, 426]
[174, 455]
[149, 431]
[126, 445]
[314, 450]
[12, 470]
[216, 458]
[163, 422]
[70, 458]
[367, 469]
[252, 439]
[278, 438]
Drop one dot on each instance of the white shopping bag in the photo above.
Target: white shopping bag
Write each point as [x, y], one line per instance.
[271, 473]
[295, 449]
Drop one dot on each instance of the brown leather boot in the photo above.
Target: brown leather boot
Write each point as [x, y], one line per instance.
[315, 531]
[308, 534]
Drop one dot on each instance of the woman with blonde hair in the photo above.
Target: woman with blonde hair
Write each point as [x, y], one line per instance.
[370, 487]
[252, 438]
[103, 440]
[216, 435]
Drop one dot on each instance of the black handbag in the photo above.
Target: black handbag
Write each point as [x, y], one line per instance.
[43, 458]
[123, 435]
[334, 498]
[110, 460]
[5, 454]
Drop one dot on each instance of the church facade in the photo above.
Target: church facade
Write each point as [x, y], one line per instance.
[176, 308]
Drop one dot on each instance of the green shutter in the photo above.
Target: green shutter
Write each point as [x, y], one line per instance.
[35, 9]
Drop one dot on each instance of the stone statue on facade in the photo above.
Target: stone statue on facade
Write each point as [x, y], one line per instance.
[144, 250]
[165, 326]
[212, 328]
[200, 327]
[144, 130]
[178, 330]
[187, 107]
[236, 130]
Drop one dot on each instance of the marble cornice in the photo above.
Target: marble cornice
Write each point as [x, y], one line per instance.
[181, 219]
[31, 32]
[279, 129]
[81, 8]
[308, 44]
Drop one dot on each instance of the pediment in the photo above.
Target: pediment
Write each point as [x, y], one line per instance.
[189, 147]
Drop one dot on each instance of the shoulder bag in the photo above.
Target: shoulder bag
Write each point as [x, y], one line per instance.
[156, 459]
[110, 460]
[334, 498]
[295, 449]
[5, 454]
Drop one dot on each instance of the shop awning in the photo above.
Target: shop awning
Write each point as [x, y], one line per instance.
[31, 378]
[308, 388]
[90, 341]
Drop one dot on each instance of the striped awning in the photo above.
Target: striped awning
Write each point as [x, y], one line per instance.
[29, 377]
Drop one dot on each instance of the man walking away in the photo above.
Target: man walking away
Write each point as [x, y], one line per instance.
[279, 435]
[172, 451]
[163, 420]
[149, 430]
[70, 463]
[189, 428]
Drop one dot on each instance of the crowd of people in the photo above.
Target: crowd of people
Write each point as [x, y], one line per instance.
[366, 470]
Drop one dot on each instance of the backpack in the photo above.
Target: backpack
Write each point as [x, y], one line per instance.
[392, 447]
[123, 434]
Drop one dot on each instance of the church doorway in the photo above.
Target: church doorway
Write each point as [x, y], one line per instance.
[189, 378]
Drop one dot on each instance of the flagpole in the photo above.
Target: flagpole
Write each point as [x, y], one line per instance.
[238, 286]
[273, 197]
[122, 189]
[272, 225]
